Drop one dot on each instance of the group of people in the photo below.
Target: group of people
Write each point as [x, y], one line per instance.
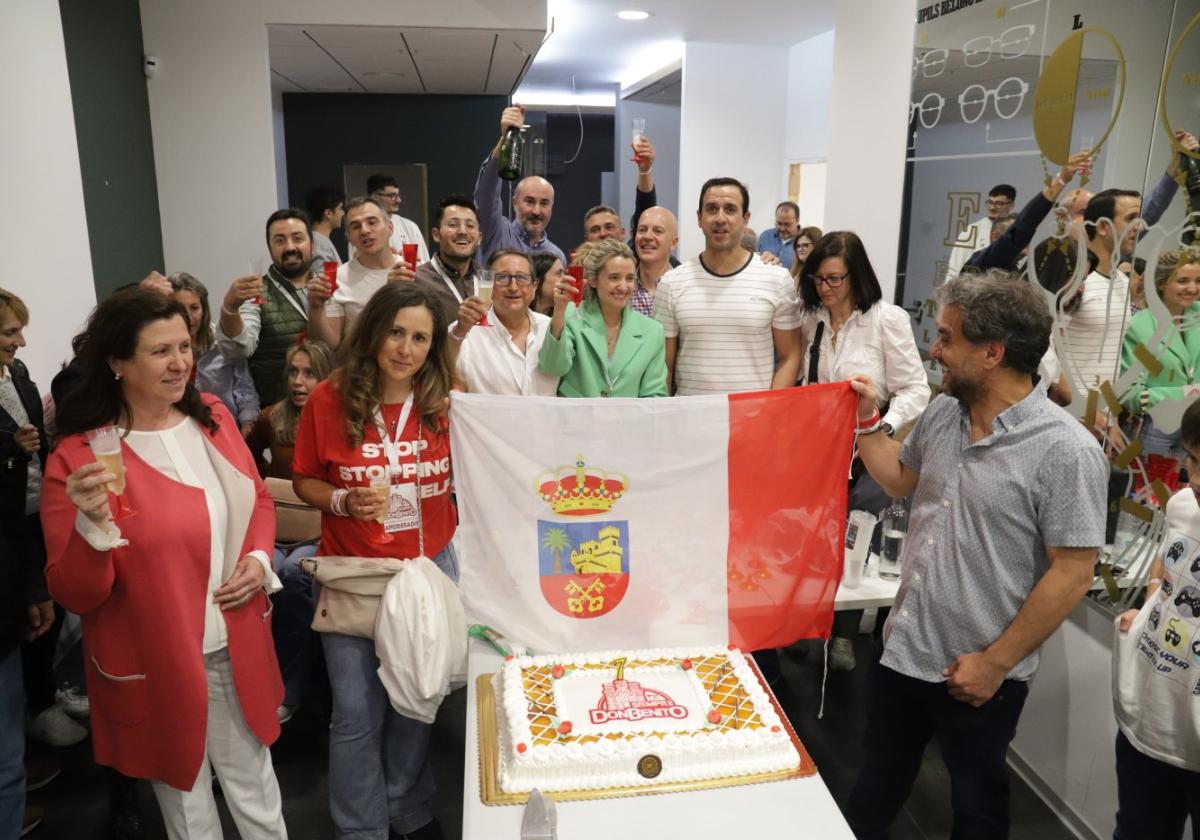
[196, 621]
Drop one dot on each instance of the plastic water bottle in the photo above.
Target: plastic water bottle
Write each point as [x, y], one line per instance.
[894, 526]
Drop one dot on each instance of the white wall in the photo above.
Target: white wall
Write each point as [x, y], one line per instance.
[731, 124]
[868, 120]
[47, 260]
[810, 77]
[1067, 728]
[662, 129]
[211, 112]
[277, 131]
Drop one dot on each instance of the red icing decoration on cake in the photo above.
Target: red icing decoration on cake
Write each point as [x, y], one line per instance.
[714, 716]
[565, 728]
[557, 672]
[686, 664]
[521, 747]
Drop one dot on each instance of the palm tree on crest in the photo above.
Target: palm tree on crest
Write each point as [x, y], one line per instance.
[556, 541]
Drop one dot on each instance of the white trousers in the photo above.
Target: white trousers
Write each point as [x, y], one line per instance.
[242, 764]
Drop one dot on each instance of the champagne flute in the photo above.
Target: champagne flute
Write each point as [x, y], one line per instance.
[256, 267]
[636, 133]
[382, 488]
[483, 290]
[106, 446]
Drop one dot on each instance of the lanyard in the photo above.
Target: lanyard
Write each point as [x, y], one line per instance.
[437, 266]
[291, 294]
[391, 446]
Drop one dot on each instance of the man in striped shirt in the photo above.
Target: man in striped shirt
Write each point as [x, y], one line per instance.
[1094, 330]
[727, 316]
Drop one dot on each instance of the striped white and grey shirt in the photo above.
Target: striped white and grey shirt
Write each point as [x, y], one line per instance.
[1094, 331]
[983, 515]
[724, 324]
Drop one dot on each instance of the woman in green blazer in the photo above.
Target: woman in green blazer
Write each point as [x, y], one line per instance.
[603, 348]
[1177, 278]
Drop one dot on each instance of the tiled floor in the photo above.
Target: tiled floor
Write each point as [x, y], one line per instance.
[77, 808]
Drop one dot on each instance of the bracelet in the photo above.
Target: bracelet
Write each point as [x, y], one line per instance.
[1153, 581]
[873, 420]
[870, 430]
[337, 502]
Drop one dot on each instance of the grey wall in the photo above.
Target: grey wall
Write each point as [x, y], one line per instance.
[112, 127]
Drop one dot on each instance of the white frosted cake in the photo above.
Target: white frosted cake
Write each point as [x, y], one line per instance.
[618, 719]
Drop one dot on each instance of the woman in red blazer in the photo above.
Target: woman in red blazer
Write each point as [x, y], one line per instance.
[180, 664]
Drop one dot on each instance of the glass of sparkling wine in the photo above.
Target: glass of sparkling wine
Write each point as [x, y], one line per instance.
[106, 446]
[483, 291]
[637, 132]
[382, 487]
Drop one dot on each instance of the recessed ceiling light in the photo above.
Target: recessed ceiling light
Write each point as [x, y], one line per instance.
[633, 14]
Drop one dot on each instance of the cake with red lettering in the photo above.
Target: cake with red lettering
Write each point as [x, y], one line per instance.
[599, 721]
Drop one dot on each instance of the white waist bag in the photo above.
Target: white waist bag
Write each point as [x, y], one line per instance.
[421, 639]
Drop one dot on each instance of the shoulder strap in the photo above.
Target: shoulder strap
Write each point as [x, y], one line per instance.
[814, 354]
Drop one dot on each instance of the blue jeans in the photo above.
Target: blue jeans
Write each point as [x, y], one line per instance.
[291, 623]
[903, 714]
[379, 773]
[12, 745]
[1153, 798]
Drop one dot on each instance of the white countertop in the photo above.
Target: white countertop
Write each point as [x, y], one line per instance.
[797, 808]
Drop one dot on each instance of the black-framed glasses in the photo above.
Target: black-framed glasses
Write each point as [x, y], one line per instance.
[830, 280]
[502, 279]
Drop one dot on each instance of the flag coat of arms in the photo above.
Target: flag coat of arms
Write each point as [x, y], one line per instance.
[623, 523]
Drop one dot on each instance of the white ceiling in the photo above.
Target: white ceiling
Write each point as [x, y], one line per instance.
[588, 42]
[386, 59]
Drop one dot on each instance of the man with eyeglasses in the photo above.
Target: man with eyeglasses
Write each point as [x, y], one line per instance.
[450, 273]
[1001, 200]
[383, 189]
[727, 315]
[501, 357]
[778, 240]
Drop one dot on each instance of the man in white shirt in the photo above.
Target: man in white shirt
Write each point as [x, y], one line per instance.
[1001, 200]
[383, 189]
[726, 314]
[1094, 328]
[330, 317]
[326, 208]
[502, 357]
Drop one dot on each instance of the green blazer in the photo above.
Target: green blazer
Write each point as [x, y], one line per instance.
[1181, 355]
[579, 356]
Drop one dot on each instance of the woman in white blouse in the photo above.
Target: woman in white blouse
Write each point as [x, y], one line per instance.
[849, 329]
[179, 658]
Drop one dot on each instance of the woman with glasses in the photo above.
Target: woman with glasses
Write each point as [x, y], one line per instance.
[803, 244]
[849, 329]
[603, 348]
[501, 356]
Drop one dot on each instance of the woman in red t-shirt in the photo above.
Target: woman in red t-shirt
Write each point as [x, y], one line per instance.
[380, 415]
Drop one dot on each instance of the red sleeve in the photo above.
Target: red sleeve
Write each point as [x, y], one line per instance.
[307, 461]
[79, 577]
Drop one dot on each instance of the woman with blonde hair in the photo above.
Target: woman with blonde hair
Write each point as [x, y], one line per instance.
[380, 421]
[603, 348]
[806, 239]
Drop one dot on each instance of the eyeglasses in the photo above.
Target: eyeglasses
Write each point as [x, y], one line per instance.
[928, 110]
[932, 63]
[394, 196]
[1007, 98]
[830, 280]
[998, 202]
[1011, 43]
[501, 279]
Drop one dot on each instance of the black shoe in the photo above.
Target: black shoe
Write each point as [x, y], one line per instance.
[430, 831]
[41, 768]
[124, 809]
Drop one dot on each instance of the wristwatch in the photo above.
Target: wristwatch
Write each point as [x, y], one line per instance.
[887, 429]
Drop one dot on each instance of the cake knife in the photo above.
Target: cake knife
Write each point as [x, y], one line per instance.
[539, 822]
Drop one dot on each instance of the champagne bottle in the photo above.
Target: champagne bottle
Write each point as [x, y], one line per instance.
[512, 155]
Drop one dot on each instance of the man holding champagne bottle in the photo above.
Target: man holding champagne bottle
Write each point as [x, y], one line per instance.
[532, 201]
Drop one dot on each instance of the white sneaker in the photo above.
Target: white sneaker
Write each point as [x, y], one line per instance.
[56, 729]
[841, 655]
[72, 700]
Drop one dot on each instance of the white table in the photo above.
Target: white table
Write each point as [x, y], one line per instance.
[871, 592]
[797, 808]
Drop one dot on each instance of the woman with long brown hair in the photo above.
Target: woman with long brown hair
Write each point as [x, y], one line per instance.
[373, 455]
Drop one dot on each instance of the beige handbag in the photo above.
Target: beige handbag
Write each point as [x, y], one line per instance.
[296, 522]
[352, 587]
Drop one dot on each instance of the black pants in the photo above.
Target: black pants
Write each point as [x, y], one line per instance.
[903, 714]
[37, 657]
[1153, 797]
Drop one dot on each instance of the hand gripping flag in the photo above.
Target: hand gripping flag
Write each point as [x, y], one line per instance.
[622, 523]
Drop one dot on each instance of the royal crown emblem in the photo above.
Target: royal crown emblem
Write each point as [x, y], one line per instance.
[580, 491]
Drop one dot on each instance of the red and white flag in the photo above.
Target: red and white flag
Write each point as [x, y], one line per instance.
[622, 523]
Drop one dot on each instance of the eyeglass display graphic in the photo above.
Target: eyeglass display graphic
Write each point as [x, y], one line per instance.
[1007, 99]
[932, 63]
[928, 110]
[1011, 43]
